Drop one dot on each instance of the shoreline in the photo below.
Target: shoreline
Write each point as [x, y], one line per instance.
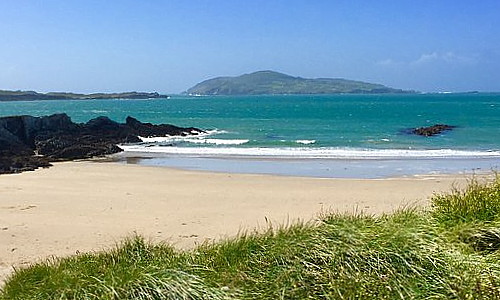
[334, 168]
[85, 206]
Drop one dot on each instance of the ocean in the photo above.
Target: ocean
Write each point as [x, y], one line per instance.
[346, 136]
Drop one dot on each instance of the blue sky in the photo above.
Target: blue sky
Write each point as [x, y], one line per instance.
[168, 46]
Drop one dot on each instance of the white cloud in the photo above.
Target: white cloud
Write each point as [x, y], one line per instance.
[455, 58]
[448, 57]
[428, 58]
[386, 62]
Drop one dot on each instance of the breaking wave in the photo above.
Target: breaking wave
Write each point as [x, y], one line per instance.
[194, 137]
[305, 142]
[297, 152]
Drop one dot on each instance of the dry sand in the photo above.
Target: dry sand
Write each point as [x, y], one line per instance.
[86, 206]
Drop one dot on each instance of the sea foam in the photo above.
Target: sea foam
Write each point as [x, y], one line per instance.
[305, 142]
[192, 137]
[340, 153]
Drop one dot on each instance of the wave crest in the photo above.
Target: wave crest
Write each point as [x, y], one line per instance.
[305, 142]
[340, 153]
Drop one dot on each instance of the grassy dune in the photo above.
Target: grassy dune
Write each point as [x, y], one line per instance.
[450, 251]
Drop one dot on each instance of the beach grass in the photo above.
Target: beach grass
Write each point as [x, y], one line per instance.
[448, 251]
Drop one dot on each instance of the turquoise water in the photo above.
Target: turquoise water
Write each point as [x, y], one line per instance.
[329, 127]
[340, 121]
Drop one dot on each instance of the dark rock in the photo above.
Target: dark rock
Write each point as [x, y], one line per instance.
[102, 124]
[12, 163]
[432, 130]
[56, 138]
[150, 130]
[25, 128]
[68, 147]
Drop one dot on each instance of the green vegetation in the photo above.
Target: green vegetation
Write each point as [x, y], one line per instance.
[269, 82]
[451, 251]
[30, 95]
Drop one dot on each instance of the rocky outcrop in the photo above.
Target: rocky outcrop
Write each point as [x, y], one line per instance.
[13, 163]
[27, 142]
[432, 130]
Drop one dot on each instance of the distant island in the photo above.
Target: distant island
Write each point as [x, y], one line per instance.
[275, 83]
[30, 96]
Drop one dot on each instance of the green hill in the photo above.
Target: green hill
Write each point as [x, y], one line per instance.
[270, 82]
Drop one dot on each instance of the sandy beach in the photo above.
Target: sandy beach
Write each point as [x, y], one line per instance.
[89, 206]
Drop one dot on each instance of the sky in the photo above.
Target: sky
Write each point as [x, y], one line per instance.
[170, 45]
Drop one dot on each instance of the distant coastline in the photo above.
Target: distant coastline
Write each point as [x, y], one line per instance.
[32, 96]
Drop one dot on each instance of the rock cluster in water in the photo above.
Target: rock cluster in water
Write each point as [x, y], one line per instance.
[432, 130]
[27, 142]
